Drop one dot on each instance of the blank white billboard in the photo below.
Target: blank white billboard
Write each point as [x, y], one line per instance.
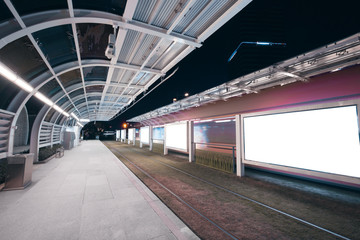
[176, 136]
[325, 140]
[117, 134]
[123, 134]
[131, 134]
[145, 135]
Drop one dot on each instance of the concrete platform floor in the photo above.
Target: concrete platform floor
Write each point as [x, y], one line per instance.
[87, 194]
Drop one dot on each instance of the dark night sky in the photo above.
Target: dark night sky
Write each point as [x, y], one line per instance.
[303, 25]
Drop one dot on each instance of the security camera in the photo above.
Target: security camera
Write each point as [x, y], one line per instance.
[110, 49]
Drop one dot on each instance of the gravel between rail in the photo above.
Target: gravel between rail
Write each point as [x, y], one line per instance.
[240, 217]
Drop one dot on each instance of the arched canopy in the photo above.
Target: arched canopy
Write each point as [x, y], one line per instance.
[58, 49]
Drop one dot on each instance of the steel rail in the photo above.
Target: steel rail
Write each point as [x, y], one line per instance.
[254, 201]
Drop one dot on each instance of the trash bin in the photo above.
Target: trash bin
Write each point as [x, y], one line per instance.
[20, 171]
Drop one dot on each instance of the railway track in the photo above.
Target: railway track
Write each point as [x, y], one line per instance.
[228, 233]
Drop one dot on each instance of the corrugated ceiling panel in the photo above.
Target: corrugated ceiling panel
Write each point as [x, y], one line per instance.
[175, 51]
[127, 76]
[143, 10]
[116, 75]
[167, 10]
[161, 49]
[144, 50]
[190, 15]
[139, 77]
[216, 9]
[145, 79]
[128, 46]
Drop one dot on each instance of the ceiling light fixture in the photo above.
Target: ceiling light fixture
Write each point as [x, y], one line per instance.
[74, 116]
[44, 99]
[255, 43]
[12, 77]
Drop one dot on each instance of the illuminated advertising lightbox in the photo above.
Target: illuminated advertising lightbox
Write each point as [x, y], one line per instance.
[176, 136]
[145, 135]
[123, 134]
[131, 134]
[324, 140]
[158, 133]
[117, 134]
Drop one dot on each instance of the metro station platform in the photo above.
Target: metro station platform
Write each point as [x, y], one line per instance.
[87, 194]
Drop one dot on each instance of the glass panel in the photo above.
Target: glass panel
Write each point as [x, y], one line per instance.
[97, 98]
[7, 92]
[49, 115]
[50, 88]
[76, 93]
[62, 101]
[70, 78]
[57, 43]
[26, 7]
[5, 13]
[93, 39]
[22, 57]
[33, 106]
[90, 89]
[112, 6]
[80, 101]
[95, 73]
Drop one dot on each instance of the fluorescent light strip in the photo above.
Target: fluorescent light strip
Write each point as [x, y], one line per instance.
[74, 116]
[44, 99]
[12, 77]
[84, 120]
[222, 121]
[7, 73]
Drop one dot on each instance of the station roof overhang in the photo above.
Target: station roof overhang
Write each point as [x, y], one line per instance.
[228, 98]
[56, 49]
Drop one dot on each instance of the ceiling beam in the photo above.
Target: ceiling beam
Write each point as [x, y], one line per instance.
[119, 22]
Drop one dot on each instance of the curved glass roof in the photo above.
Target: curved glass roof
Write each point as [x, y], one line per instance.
[93, 59]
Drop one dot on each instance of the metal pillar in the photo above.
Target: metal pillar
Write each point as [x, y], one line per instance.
[239, 146]
[165, 149]
[141, 144]
[191, 141]
[150, 138]
[134, 137]
[35, 132]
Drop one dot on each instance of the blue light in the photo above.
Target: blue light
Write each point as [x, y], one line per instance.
[263, 43]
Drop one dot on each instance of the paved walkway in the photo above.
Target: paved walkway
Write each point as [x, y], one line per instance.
[87, 194]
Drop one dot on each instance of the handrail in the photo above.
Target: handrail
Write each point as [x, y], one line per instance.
[7, 112]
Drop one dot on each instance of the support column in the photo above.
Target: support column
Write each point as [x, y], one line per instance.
[35, 132]
[165, 149]
[239, 146]
[141, 145]
[191, 141]
[134, 137]
[150, 138]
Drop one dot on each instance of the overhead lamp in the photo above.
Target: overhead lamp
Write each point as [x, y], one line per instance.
[12, 77]
[24, 85]
[57, 108]
[44, 99]
[79, 124]
[84, 120]
[222, 121]
[7, 73]
[186, 94]
[174, 99]
[66, 114]
[74, 116]
[255, 43]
